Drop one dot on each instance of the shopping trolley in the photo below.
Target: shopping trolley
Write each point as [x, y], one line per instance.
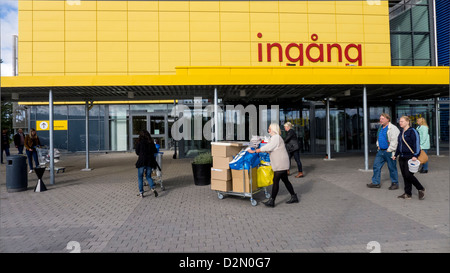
[157, 173]
[44, 158]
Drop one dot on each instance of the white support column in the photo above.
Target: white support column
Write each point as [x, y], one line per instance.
[87, 107]
[51, 151]
[216, 116]
[436, 108]
[328, 130]
[366, 130]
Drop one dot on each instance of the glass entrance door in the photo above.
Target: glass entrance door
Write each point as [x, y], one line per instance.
[158, 129]
[156, 124]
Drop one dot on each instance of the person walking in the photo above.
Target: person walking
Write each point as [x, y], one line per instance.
[387, 140]
[424, 136]
[408, 148]
[292, 147]
[145, 150]
[5, 144]
[279, 160]
[31, 142]
[19, 141]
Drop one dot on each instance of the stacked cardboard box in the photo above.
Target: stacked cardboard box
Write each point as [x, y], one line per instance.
[222, 153]
[241, 177]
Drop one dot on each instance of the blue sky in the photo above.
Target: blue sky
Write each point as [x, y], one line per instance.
[9, 22]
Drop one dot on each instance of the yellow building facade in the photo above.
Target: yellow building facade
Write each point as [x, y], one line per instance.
[154, 37]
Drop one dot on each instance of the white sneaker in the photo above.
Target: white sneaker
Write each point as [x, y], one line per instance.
[31, 171]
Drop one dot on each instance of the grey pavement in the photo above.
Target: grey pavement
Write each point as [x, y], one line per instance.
[100, 211]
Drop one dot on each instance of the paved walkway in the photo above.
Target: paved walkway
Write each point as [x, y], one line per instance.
[100, 212]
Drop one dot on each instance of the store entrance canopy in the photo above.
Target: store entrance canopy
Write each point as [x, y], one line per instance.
[238, 83]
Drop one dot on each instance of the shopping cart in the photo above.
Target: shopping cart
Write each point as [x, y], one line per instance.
[44, 158]
[157, 173]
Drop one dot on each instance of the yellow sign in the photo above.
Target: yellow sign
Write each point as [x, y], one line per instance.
[44, 125]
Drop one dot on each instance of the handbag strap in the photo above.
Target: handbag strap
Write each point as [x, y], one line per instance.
[403, 137]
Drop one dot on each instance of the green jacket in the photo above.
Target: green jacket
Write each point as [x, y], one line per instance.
[424, 137]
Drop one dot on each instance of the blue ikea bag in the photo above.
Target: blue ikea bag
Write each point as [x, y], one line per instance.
[244, 160]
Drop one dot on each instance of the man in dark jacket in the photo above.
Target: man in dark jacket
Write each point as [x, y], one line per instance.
[19, 140]
[292, 147]
[5, 143]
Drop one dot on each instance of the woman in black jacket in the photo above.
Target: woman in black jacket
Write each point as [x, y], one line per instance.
[146, 150]
[292, 147]
[408, 148]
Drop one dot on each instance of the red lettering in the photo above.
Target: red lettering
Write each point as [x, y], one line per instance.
[260, 52]
[311, 52]
[308, 52]
[269, 51]
[329, 47]
[300, 53]
[358, 49]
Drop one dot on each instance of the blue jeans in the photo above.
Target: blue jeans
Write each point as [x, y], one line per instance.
[425, 166]
[141, 178]
[381, 158]
[32, 155]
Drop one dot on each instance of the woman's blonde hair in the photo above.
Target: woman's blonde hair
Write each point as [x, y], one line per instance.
[406, 118]
[422, 122]
[288, 124]
[274, 127]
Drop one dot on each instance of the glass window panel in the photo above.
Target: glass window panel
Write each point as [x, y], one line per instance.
[42, 112]
[422, 46]
[401, 22]
[422, 62]
[401, 46]
[60, 139]
[149, 107]
[60, 112]
[76, 135]
[118, 133]
[157, 125]
[94, 112]
[94, 135]
[139, 123]
[406, 62]
[76, 112]
[118, 111]
[420, 20]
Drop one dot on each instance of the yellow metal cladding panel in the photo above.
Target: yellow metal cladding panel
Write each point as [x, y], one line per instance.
[191, 33]
[247, 75]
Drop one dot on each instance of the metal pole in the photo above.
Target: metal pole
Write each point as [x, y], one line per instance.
[216, 117]
[52, 155]
[87, 136]
[436, 107]
[328, 130]
[366, 130]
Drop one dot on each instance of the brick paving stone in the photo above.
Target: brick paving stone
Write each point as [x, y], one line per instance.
[337, 212]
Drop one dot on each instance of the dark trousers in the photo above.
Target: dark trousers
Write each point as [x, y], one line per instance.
[408, 177]
[276, 183]
[32, 155]
[296, 155]
[20, 149]
[6, 149]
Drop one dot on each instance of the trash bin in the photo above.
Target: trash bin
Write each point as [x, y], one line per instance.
[16, 173]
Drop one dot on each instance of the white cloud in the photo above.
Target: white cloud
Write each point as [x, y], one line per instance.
[9, 27]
